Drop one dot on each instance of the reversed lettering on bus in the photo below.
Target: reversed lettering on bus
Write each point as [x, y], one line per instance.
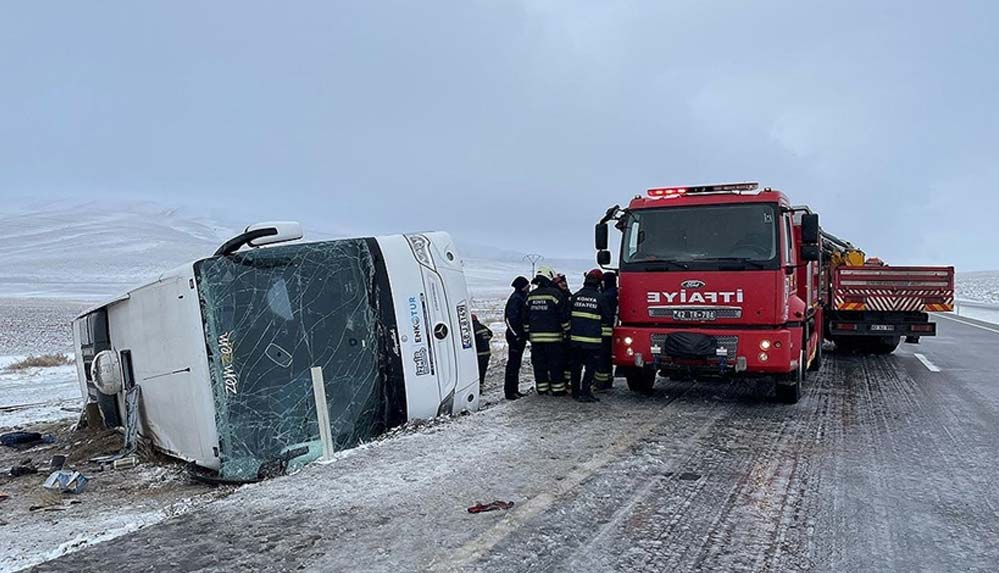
[229, 376]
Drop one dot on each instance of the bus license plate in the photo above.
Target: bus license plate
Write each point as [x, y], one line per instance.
[882, 327]
[694, 315]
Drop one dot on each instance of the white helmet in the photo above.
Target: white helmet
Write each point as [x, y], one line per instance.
[547, 272]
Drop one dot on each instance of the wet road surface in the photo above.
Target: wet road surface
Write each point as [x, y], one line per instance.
[885, 464]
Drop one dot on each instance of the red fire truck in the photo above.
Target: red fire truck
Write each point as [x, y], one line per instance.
[731, 279]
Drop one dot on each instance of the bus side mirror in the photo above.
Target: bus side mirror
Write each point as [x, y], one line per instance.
[603, 257]
[810, 228]
[600, 237]
[262, 234]
[810, 252]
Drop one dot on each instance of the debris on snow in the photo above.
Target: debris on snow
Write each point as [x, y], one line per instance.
[66, 481]
[492, 506]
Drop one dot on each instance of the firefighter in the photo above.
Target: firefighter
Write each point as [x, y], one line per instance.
[604, 378]
[590, 314]
[515, 317]
[547, 321]
[482, 337]
[563, 286]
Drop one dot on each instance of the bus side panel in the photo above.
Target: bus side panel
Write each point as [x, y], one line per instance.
[462, 340]
[409, 296]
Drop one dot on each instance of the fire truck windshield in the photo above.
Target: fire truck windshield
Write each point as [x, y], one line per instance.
[701, 237]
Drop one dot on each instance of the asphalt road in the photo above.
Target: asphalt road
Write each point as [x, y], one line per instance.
[887, 463]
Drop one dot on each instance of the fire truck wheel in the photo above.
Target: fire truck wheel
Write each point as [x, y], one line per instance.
[788, 387]
[817, 361]
[641, 380]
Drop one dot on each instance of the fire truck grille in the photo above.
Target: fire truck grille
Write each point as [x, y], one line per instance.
[728, 342]
[667, 312]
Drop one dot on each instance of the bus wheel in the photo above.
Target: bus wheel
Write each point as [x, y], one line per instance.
[641, 380]
[788, 387]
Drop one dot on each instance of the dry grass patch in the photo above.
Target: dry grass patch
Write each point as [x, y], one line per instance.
[41, 361]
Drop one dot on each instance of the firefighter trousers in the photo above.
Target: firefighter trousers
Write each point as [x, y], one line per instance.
[511, 384]
[483, 366]
[549, 364]
[604, 377]
[585, 362]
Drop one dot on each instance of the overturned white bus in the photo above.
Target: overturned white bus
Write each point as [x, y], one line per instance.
[222, 349]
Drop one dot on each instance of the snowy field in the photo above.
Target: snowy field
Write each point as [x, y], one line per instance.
[981, 286]
[36, 395]
[37, 325]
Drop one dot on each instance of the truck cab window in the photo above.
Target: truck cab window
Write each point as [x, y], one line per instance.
[788, 241]
[703, 237]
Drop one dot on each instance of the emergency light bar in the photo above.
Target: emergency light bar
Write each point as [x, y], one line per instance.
[718, 188]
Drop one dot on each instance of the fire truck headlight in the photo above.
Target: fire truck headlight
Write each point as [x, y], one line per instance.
[763, 357]
[628, 340]
[764, 344]
[629, 352]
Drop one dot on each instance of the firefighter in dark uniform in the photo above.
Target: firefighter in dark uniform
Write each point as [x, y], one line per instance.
[590, 314]
[604, 378]
[547, 321]
[482, 337]
[563, 287]
[515, 317]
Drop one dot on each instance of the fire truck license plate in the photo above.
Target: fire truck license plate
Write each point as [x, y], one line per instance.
[694, 315]
[882, 327]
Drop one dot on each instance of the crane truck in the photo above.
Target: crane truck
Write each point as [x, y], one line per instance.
[733, 280]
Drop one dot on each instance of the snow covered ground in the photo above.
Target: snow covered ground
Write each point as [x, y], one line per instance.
[978, 295]
[37, 325]
[36, 395]
[980, 286]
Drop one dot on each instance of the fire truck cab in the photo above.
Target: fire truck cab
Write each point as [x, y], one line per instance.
[716, 280]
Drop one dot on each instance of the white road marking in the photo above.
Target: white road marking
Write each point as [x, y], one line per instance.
[948, 317]
[926, 362]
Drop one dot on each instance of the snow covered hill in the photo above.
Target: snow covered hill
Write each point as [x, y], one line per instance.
[89, 250]
[86, 251]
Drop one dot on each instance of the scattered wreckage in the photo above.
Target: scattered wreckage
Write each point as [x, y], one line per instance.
[252, 362]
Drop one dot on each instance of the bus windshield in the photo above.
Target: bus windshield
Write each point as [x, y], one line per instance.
[701, 237]
[272, 314]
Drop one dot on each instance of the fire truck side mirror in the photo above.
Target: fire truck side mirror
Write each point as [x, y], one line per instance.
[600, 236]
[810, 252]
[810, 229]
[603, 257]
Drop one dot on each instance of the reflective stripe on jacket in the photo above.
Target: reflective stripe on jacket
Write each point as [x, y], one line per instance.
[547, 315]
[590, 316]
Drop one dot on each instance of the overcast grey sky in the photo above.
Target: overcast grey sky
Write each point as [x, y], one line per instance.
[513, 124]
